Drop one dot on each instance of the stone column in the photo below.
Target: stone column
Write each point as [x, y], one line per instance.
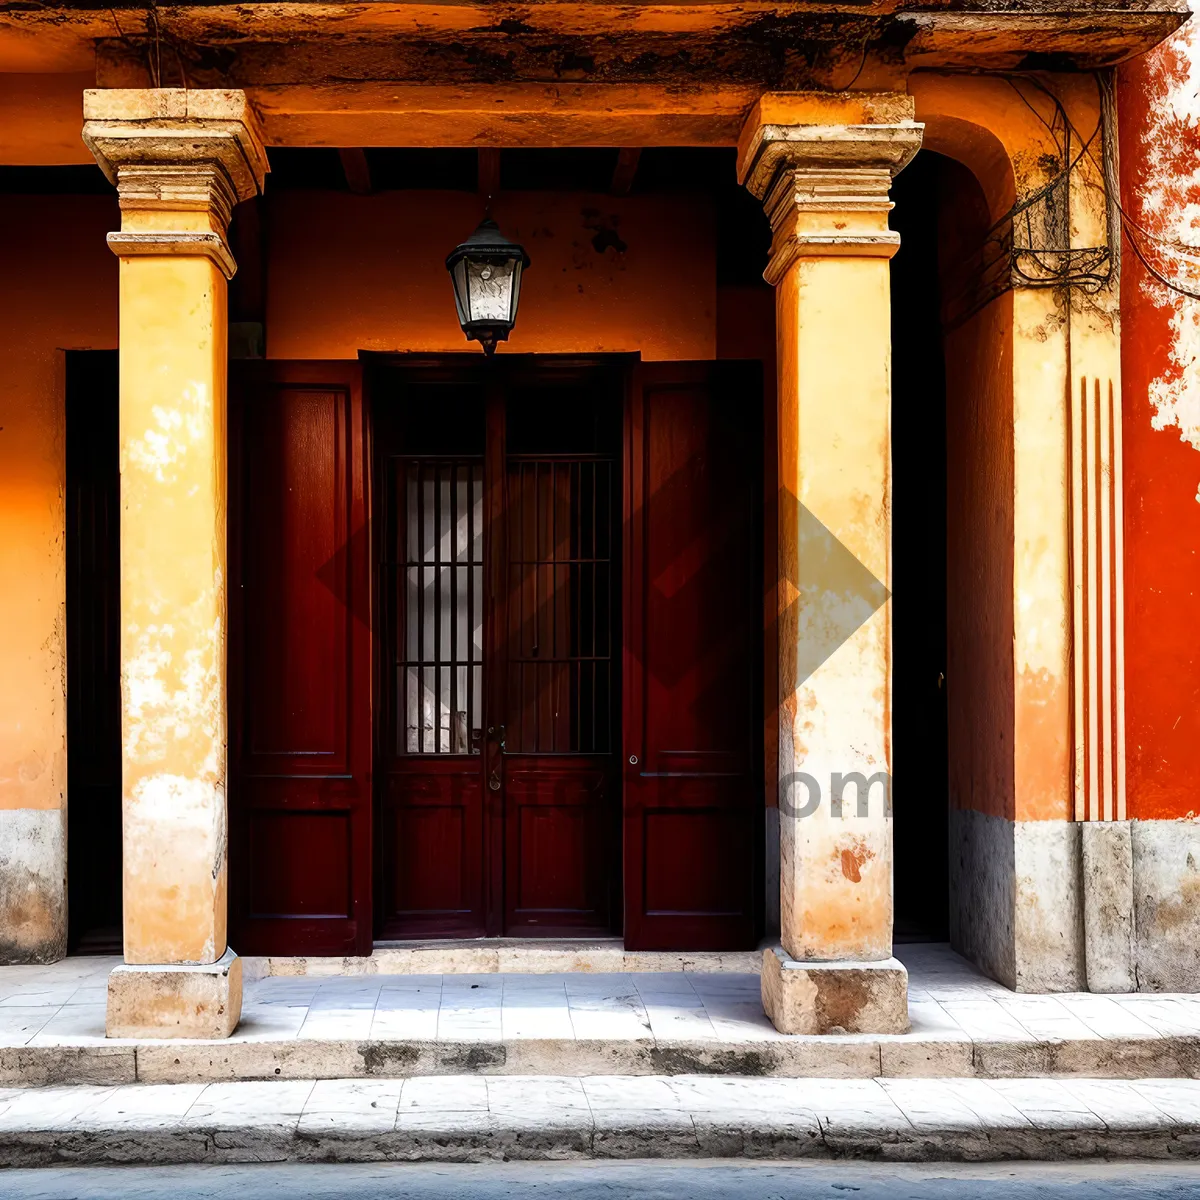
[824, 183]
[180, 160]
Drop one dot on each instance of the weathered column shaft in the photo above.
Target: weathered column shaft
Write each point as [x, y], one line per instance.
[180, 160]
[825, 188]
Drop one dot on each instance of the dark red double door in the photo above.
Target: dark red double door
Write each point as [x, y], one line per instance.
[519, 700]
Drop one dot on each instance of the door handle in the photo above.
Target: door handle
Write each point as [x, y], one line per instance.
[497, 734]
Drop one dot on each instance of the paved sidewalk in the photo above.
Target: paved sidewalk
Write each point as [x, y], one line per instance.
[472, 1118]
[627, 1023]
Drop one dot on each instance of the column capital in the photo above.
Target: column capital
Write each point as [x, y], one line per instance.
[822, 166]
[193, 153]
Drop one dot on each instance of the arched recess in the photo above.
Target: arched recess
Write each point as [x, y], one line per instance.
[1013, 845]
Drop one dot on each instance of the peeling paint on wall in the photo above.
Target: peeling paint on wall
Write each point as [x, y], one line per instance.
[1168, 195]
[1158, 102]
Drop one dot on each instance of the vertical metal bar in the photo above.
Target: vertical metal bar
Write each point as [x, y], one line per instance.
[420, 472]
[520, 644]
[537, 605]
[437, 608]
[577, 589]
[608, 593]
[595, 568]
[395, 624]
[453, 603]
[553, 607]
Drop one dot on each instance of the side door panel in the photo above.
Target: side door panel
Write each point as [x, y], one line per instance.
[299, 660]
[692, 656]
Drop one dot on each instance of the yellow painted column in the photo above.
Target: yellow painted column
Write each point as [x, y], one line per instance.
[823, 169]
[180, 160]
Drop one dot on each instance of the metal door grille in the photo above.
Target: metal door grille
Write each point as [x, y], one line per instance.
[438, 582]
[560, 605]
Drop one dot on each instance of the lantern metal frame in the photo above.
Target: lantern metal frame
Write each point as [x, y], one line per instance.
[486, 245]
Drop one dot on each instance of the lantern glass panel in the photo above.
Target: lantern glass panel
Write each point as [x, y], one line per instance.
[490, 286]
[458, 276]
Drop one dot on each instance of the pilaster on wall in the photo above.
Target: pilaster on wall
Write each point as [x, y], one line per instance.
[1097, 500]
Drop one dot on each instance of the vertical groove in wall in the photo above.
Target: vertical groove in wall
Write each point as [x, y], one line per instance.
[1097, 571]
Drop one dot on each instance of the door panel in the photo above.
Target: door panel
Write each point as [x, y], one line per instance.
[300, 667]
[555, 821]
[430, 436]
[692, 656]
[499, 802]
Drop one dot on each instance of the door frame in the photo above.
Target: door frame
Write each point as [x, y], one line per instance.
[506, 368]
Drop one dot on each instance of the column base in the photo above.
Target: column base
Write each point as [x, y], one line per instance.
[175, 1000]
[834, 997]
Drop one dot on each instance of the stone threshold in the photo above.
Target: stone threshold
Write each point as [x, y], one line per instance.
[492, 956]
[854, 1056]
[605, 1117]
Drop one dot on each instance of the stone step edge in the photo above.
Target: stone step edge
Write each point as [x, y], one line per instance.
[608, 1137]
[457, 959]
[855, 1057]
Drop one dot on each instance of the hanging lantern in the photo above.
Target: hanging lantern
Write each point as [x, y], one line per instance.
[486, 273]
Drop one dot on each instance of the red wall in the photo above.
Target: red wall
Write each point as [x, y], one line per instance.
[1160, 168]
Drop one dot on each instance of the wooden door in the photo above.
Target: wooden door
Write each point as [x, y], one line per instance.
[559, 661]
[692, 657]
[498, 675]
[299, 661]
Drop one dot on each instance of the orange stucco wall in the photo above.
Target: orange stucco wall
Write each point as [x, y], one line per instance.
[60, 293]
[608, 273]
[1160, 168]
[41, 119]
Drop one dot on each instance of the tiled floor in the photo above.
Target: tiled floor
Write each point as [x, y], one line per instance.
[64, 1004]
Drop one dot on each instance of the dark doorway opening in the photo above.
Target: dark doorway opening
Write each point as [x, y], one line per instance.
[920, 791]
[93, 654]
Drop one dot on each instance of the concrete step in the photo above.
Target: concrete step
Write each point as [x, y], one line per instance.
[581, 1023]
[112, 1062]
[470, 1118]
[521, 956]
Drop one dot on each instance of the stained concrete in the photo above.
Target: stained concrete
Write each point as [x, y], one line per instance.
[176, 1000]
[1166, 894]
[1015, 906]
[834, 997]
[1106, 849]
[33, 885]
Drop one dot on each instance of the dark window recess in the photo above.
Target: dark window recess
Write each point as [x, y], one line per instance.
[93, 655]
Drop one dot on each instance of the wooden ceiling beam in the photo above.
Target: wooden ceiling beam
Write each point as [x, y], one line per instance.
[499, 115]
